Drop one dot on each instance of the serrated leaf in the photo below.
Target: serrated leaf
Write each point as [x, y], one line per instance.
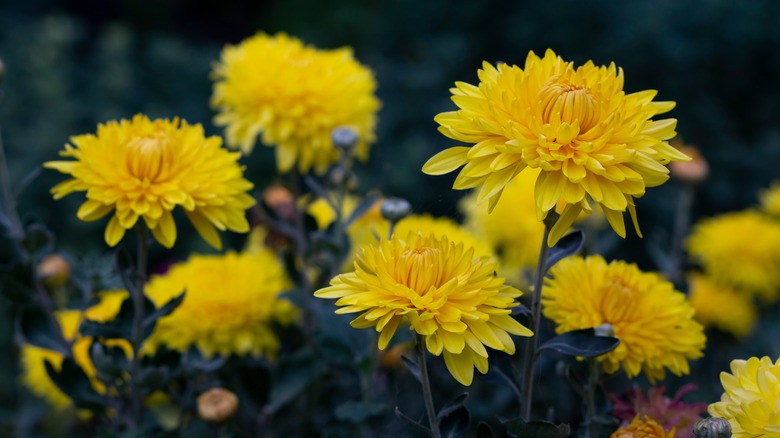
[415, 425]
[150, 319]
[519, 428]
[359, 411]
[110, 362]
[569, 245]
[72, 380]
[413, 367]
[121, 327]
[41, 329]
[362, 208]
[581, 343]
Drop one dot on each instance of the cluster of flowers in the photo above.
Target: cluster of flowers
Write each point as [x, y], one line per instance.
[546, 140]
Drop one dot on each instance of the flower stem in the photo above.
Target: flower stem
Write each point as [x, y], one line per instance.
[532, 343]
[681, 221]
[590, 397]
[426, 384]
[136, 399]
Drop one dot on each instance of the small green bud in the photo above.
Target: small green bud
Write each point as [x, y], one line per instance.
[604, 330]
[395, 209]
[714, 427]
[344, 138]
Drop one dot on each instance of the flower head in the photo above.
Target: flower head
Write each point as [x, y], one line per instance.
[141, 168]
[770, 200]
[588, 137]
[230, 305]
[751, 401]
[668, 413]
[643, 427]
[33, 358]
[653, 321]
[294, 96]
[447, 295]
[740, 249]
[721, 306]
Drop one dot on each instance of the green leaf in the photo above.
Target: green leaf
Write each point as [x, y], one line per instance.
[41, 329]
[121, 327]
[569, 245]
[110, 362]
[581, 343]
[295, 375]
[362, 208]
[359, 411]
[484, 430]
[72, 380]
[150, 319]
[496, 376]
[415, 425]
[153, 378]
[519, 428]
[413, 367]
[453, 406]
[453, 419]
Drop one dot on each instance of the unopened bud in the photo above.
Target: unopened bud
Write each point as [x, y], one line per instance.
[217, 405]
[714, 427]
[690, 172]
[53, 270]
[344, 138]
[281, 201]
[605, 330]
[390, 359]
[395, 209]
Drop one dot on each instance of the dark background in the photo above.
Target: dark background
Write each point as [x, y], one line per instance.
[72, 64]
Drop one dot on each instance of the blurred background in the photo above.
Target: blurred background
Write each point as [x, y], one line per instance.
[71, 64]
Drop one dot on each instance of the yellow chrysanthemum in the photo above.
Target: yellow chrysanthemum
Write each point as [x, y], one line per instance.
[653, 321]
[770, 200]
[294, 96]
[34, 373]
[577, 125]
[144, 168]
[740, 249]
[722, 307]
[751, 401]
[230, 306]
[448, 295]
[643, 428]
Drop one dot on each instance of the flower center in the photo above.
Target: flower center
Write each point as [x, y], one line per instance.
[420, 268]
[573, 102]
[146, 157]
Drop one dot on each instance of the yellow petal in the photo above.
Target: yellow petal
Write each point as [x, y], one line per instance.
[114, 231]
[460, 366]
[93, 210]
[165, 231]
[205, 228]
[446, 161]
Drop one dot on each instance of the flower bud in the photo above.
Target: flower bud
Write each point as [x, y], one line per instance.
[714, 427]
[217, 405]
[690, 172]
[54, 270]
[344, 138]
[395, 209]
[281, 201]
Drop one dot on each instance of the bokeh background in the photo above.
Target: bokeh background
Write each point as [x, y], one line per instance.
[72, 64]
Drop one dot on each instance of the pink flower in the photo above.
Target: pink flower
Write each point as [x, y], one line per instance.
[667, 412]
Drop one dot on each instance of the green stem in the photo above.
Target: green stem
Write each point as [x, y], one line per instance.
[136, 398]
[681, 221]
[426, 384]
[532, 343]
[590, 397]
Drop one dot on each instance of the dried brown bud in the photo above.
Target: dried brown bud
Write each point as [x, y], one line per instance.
[217, 405]
[690, 172]
[390, 359]
[281, 201]
[54, 270]
[714, 427]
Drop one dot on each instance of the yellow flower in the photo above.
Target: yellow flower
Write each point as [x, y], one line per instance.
[770, 199]
[143, 168]
[643, 428]
[653, 321]
[34, 374]
[231, 304]
[447, 295]
[721, 306]
[294, 96]
[740, 249]
[577, 125]
[751, 401]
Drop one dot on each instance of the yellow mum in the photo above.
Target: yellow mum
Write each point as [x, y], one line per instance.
[721, 306]
[34, 374]
[588, 137]
[144, 168]
[230, 306]
[741, 250]
[294, 96]
[653, 321]
[770, 199]
[751, 401]
[643, 428]
[447, 295]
